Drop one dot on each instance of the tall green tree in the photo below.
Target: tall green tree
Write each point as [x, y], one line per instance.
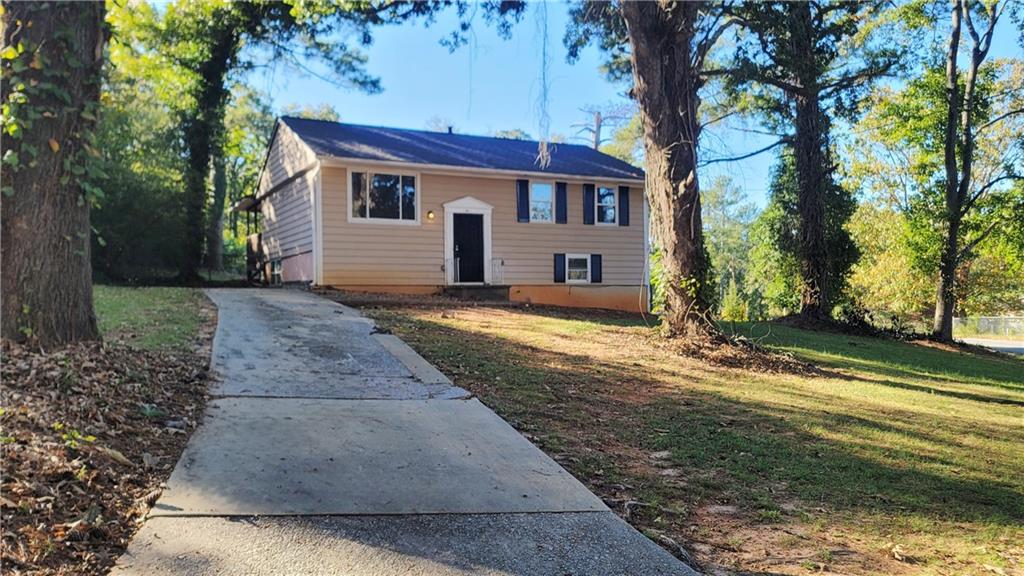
[959, 145]
[797, 65]
[52, 65]
[728, 215]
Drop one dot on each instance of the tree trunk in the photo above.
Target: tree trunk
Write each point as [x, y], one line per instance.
[215, 225]
[943, 324]
[202, 133]
[812, 172]
[47, 275]
[665, 85]
[811, 177]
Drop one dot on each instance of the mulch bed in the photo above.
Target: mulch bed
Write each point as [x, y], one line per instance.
[89, 434]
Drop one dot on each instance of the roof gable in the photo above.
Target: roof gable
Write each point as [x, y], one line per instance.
[375, 143]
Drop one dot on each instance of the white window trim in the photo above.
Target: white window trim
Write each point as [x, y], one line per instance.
[554, 201]
[597, 204]
[570, 257]
[466, 205]
[369, 177]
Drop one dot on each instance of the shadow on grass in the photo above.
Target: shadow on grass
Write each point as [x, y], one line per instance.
[739, 448]
[889, 357]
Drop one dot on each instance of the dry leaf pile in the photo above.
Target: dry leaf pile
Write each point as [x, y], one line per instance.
[88, 434]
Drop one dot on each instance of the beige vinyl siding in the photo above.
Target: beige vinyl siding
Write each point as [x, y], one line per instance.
[362, 253]
[288, 211]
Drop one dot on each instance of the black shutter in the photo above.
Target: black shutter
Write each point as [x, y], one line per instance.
[595, 268]
[561, 215]
[523, 200]
[560, 268]
[623, 205]
[588, 204]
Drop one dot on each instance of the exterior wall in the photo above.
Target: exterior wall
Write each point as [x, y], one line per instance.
[358, 255]
[287, 213]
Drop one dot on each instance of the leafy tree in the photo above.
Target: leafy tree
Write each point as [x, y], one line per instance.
[627, 142]
[142, 162]
[796, 64]
[963, 122]
[776, 253]
[513, 134]
[885, 279]
[734, 307]
[900, 159]
[52, 65]
[322, 111]
[727, 219]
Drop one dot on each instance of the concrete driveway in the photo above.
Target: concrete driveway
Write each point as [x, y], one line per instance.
[1008, 346]
[330, 448]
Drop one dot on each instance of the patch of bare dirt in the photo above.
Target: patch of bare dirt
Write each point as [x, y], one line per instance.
[89, 434]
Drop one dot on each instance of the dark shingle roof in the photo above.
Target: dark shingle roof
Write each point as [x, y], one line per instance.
[461, 150]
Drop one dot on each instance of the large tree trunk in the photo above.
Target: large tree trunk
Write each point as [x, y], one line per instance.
[811, 177]
[215, 225]
[47, 276]
[665, 85]
[812, 173]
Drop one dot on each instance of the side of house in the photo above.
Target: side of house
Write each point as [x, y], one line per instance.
[398, 226]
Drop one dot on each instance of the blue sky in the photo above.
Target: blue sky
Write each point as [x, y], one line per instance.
[494, 84]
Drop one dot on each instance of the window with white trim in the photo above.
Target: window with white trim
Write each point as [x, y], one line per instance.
[275, 272]
[607, 205]
[382, 196]
[577, 268]
[542, 202]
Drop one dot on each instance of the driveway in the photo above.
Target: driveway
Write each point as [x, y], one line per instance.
[330, 448]
[1008, 346]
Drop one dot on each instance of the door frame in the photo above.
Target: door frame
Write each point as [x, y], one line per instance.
[465, 205]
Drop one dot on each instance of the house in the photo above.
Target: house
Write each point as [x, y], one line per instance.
[408, 211]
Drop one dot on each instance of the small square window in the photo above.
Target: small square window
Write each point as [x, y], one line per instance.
[577, 268]
[607, 205]
[542, 204]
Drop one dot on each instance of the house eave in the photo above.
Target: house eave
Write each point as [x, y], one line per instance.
[340, 161]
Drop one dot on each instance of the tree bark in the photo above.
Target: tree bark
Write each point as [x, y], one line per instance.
[47, 275]
[215, 226]
[942, 326]
[665, 86]
[812, 173]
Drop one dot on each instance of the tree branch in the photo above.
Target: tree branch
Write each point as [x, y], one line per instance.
[781, 84]
[981, 191]
[1000, 118]
[745, 156]
[970, 246]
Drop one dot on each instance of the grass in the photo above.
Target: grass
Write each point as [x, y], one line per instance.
[151, 318]
[897, 458]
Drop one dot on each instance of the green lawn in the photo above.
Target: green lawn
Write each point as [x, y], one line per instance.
[151, 317]
[896, 458]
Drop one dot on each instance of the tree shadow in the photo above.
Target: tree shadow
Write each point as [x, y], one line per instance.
[758, 446]
[891, 358]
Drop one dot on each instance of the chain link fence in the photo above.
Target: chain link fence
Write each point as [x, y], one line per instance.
[989, 326]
